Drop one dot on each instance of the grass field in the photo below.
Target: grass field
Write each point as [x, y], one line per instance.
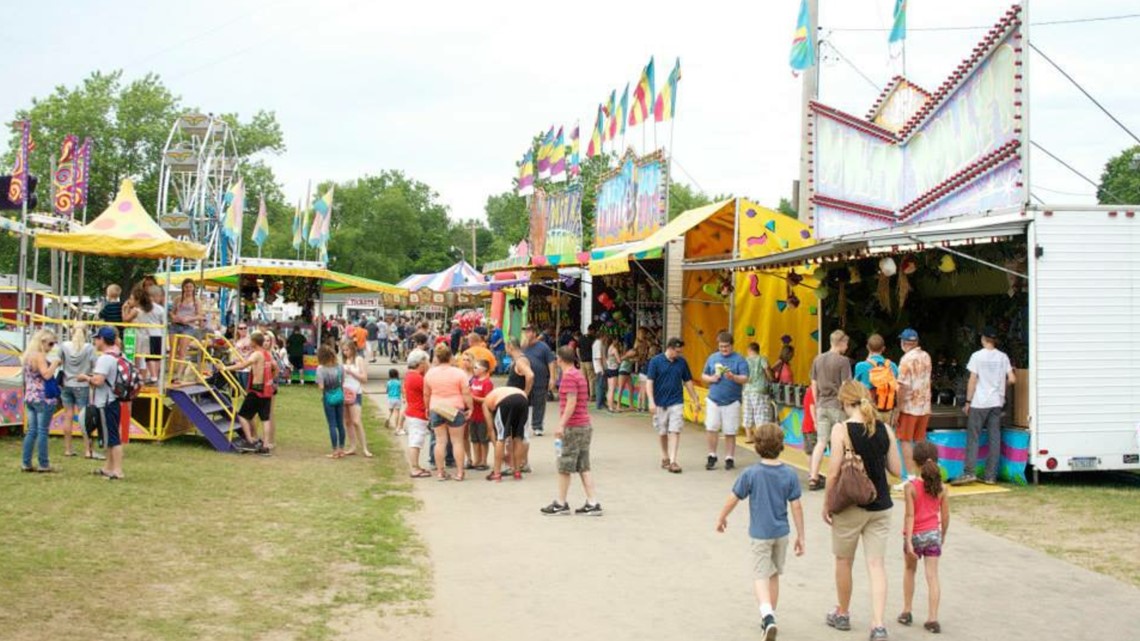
[1091, 520]
[195, 544]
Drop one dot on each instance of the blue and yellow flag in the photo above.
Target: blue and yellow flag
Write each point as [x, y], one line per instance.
[322, 210]
[298, 236]
[803, 44]
[898, 30]
[231, 224]
[261, 225]
[666, 106]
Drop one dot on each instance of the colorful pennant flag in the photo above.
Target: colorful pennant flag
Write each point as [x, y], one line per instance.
[595, 146]
[305, 224]
[611, 112]
[322, 212]
[558, 158]
[643, 97]
[63, 181]
[898, 30]
[803, 43]
[261, 225]
[623, 109]
[82, 173]
[666, 106]
[18, 188]
[575, 161]
[297, 235]
[231, 223]
[545, 148]
[526, 174]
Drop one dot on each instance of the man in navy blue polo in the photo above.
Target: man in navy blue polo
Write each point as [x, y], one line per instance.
[666, 377]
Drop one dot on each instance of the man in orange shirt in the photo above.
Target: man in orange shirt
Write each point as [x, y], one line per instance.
[477, 350]
[360, 337]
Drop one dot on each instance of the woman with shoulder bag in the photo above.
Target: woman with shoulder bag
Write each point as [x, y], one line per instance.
[41, 395]
[330, 380]
[355, 373]
[862, 450]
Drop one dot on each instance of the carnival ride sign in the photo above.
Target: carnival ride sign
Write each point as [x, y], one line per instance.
[631, 200]
[556, 222]
[922, 156]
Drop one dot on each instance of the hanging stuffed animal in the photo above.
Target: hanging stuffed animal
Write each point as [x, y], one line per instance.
[909, 266]
[887, 268]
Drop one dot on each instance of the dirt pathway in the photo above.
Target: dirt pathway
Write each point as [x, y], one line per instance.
[653, 567]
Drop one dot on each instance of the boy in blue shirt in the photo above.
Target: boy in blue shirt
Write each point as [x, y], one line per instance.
[770, 487]
[725, 374]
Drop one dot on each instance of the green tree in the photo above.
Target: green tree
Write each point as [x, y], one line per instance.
[1120, 182]
[682, 198]
[129, 123]
[785, 208]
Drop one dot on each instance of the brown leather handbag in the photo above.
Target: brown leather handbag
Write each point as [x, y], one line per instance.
[853, 486]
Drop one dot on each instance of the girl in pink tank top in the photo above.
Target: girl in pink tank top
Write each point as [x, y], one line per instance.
[924, 531]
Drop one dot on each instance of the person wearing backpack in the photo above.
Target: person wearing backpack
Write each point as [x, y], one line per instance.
[881, 376]
[110, 380]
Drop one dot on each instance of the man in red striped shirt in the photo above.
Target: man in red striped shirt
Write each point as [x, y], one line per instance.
[574, 433]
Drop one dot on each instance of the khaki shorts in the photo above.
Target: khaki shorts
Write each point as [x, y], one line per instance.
[848, 526]
[826, 418]
[768, 556]
[669, 420]
[575, 450]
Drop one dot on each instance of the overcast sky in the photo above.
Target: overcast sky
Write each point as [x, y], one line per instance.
[451, 92]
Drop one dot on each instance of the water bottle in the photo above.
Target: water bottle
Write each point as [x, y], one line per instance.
[558, 448]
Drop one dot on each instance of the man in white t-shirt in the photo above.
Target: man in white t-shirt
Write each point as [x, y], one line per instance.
[990, 374]
[382, 331]
[102, 381]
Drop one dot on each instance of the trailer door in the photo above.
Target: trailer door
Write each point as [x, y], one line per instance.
[1085, 369]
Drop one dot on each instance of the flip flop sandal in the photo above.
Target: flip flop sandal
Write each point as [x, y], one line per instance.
[906, 618]
[495, 476]
[442, 477]
[420, 474]
[932, 627]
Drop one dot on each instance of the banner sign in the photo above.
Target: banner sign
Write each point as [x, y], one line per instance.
[631, 200]
[556, 222]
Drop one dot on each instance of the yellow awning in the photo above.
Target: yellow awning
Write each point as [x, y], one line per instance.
[333, 282]
[678, 227]
[123, 229]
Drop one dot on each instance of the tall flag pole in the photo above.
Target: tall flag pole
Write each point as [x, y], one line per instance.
[526, 174]
[260, 226]
[803, 42]
[575, 162]
[18, 194]
[594, 147]
[297, 236]
[558, 157]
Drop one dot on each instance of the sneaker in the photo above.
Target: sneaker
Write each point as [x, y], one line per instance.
[879, 634]
[965, 479]
[525, 469]
[839, 621]
[710, 464]
[538, 432]
[769, 628]
[989, 481]
[590, 510]
[729, 464]
[556, 509]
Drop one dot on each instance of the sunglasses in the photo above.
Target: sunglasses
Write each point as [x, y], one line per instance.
[51, 343]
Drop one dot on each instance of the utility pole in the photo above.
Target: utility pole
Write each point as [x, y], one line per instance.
[810, 93]
[474, 250]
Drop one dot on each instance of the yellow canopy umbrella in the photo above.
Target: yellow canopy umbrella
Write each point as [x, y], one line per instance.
[123, 229]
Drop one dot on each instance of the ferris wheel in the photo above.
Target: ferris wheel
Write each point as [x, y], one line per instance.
[199, 163]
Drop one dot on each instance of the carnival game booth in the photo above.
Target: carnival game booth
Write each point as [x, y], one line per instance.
[126, 230]
[262, 280]
[438, 295]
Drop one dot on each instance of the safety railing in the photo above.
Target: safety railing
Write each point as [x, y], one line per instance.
[204, 359]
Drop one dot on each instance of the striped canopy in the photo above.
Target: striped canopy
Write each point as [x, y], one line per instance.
[458, 276]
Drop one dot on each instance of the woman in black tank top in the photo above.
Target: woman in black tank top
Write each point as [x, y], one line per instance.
[520, 370]
[874, 442]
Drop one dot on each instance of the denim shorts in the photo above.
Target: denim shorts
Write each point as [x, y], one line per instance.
[77, 396]
[435, 420]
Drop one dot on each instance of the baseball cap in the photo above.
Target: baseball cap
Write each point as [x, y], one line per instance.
[480, 330]
[675, 343]
[107, 334]
[531, 328]
[908, 334]
[989, 332]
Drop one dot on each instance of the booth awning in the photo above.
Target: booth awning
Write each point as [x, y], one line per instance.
[963, 230]
[333, 282]
[123, 229]
[676, 228]
[457, 276]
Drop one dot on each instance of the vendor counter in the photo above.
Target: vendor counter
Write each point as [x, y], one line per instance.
[948, 432]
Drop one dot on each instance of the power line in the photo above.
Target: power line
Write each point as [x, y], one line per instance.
[1045, 23]
[852, 65]
[1074, 170]
[673, 159]
[1082, 89]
